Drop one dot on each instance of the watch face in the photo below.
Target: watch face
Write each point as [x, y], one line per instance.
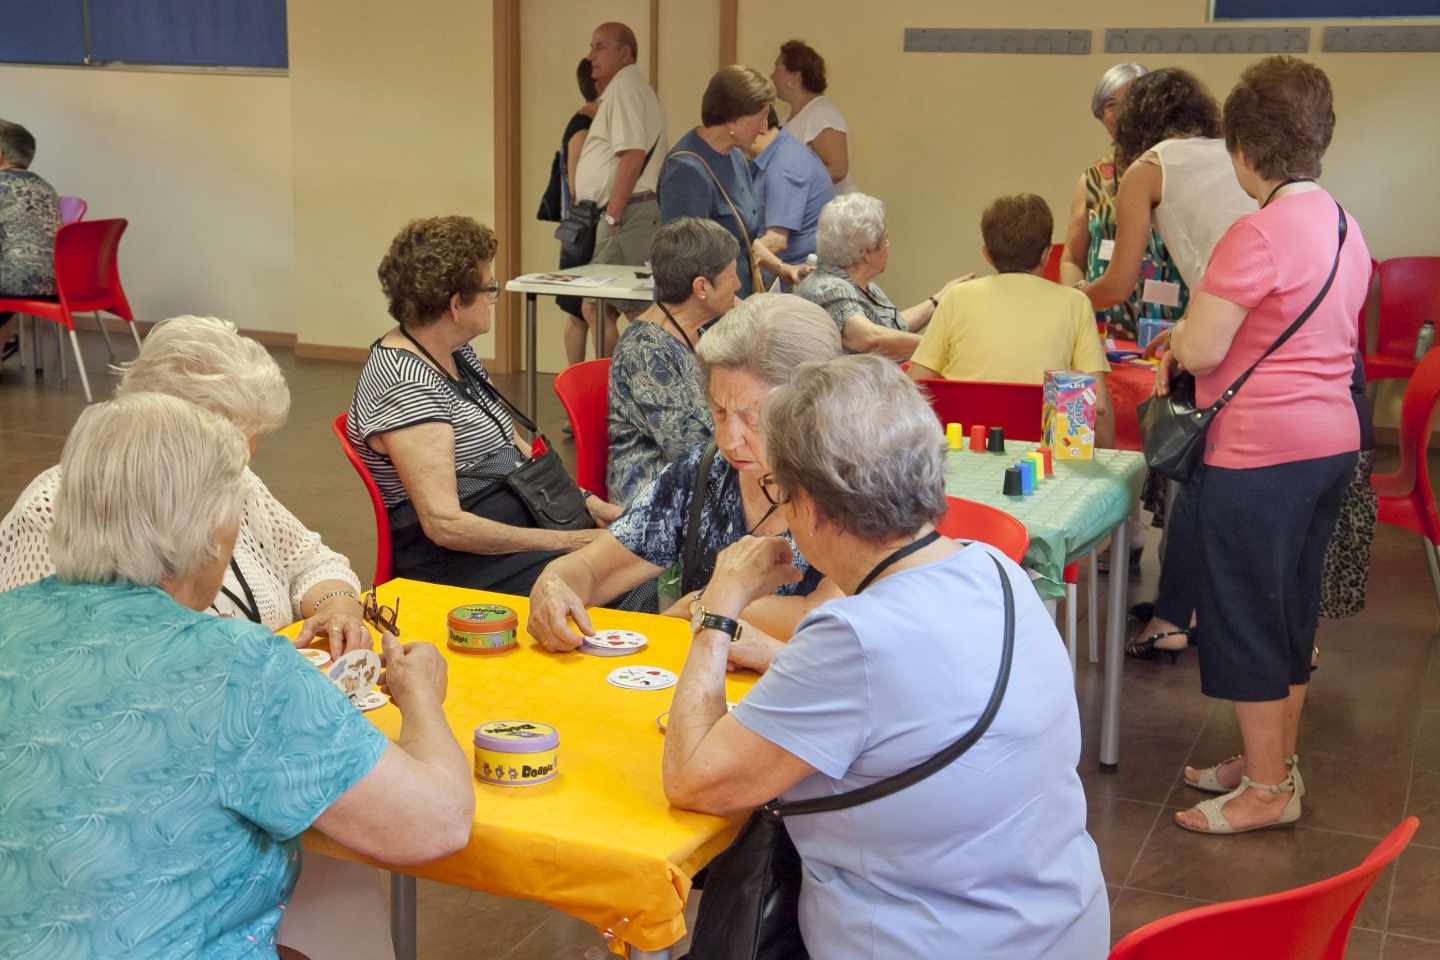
[697, 616]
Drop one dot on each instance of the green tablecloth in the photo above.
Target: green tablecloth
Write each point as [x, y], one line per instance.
[1067, 515]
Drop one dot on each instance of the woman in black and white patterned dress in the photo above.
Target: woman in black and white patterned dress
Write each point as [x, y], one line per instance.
[29, 217]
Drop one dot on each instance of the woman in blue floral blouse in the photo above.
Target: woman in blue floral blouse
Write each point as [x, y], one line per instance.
[746, 355]
[658, 412]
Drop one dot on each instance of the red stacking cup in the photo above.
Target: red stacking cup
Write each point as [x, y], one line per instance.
[977, 438]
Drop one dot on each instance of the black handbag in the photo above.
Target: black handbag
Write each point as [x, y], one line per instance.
[551, 204]
[576, 232]
[1174, 429]
[751, 906]
[552, 496]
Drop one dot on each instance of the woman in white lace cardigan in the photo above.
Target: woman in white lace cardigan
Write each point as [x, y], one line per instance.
[280, 571]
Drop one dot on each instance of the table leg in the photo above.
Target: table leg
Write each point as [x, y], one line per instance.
[531, 380]
[402, 915]
[1114, 649]
[1092, 604]
[601, 320]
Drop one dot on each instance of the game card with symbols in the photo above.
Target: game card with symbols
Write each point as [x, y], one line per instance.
[641, 678]
[613, 643]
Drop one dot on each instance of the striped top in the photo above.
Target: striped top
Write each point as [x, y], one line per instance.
[398, 389]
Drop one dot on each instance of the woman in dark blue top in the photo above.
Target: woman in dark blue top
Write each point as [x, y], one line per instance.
[707, 174]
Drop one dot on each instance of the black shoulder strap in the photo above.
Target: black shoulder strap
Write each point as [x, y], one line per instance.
[688, 558]
[908, 778]
[1289, 332]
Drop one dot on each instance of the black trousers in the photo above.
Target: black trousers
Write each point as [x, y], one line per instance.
[1263, 533]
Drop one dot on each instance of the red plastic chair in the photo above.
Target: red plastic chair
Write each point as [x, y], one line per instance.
[384, 570]
[584, 392]
[1406, 498]
[968, 520]
[1307, 923]
[1052, 262]
[1409, 295]
[1362, 321]
[72, 209]
[87, 276]
[1014, 406]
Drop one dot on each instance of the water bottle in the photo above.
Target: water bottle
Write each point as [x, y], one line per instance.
[1425, 339]
[812, 261]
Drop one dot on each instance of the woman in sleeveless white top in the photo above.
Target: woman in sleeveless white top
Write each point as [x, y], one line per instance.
[1188, 187]
[815, 120]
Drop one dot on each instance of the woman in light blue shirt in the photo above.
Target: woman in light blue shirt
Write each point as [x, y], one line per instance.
[792, 186]
[988, 858]
[159, 763]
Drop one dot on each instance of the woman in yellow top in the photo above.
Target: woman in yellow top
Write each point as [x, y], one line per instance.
[1015, 325]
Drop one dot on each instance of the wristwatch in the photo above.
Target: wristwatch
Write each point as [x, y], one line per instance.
[933, 302]
[609, 220]
[702, 619]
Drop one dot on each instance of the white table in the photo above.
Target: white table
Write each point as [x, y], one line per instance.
[627, 286]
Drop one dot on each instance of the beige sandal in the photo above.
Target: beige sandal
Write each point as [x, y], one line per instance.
[1213, 810]
[1210, 783]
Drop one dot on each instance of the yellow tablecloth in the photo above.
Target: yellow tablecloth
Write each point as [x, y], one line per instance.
[600, 841]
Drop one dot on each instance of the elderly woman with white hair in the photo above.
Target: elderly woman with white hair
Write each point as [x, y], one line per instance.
[706, 498]
[990, 852]
[161, 763]
[1090, 234]
[281, 571]
[853, 251]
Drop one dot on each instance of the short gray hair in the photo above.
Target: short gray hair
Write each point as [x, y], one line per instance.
[768, 335]
[205, 361]
[856, 436]
[146, 481]
[1114, 78]
[687, 248]
[851, 226]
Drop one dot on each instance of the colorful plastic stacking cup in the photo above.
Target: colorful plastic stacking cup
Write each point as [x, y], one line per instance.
[1014, 483]
[995, 440]
[977, 438]
[955, 436]
[1027, 476]
[1037, 458]
[1049, 461]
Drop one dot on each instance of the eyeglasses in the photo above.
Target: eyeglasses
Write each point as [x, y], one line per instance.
[492, 293]
[384, 619]
[775, 493]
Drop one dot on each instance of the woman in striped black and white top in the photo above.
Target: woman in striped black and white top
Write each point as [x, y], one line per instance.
[432, 430]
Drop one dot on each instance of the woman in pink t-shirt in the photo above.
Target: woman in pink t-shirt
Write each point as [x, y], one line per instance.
[1279, 456]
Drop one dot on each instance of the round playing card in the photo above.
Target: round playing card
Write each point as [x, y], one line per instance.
[613, 643]
[641, 678]
[373, 700]
[355, 672]
[318, 657]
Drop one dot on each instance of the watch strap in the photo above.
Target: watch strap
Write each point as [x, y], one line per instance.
[713, 621]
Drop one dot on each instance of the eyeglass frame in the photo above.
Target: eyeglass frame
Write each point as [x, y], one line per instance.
[766, 481]
[492, 293]
[373, 613]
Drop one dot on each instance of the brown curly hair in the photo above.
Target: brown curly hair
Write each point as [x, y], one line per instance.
[1159, 105]
[799, 57]
[432, 260]
[1281, 115]
[1017, 232]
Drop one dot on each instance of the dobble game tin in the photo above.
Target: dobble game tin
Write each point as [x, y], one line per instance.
[516, 753]
[481, 628]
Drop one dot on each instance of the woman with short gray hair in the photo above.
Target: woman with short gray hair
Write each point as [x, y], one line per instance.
[281, 571]
[1090, 234]
[742, 359]
[854, 250]
[150, 746]
[884, 677]
[658, 411]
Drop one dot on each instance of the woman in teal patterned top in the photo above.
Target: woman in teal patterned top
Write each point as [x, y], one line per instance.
[159, 763]
[1090, 236]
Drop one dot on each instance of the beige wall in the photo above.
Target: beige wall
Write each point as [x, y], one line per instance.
[937, 136]
[198, 163]
[393, 119]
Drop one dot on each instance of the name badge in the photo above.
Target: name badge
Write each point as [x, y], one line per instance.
[1161, 292]
[1107, 250]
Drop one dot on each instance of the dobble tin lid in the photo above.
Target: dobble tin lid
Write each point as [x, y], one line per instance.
[516, 736]
[482, 618]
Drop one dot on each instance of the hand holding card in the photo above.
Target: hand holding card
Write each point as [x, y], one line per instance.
[415, 673]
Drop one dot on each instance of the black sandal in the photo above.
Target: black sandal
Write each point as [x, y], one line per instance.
[1145, 649]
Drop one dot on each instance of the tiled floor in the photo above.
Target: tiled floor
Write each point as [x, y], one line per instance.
[1370, 741]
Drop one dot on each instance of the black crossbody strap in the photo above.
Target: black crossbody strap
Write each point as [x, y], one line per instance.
[908, 778]
[1225, 397]
[688, 558]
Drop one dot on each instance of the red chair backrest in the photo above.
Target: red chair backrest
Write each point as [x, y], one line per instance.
[1417, 418]
[1015, 406]
[584, 392]
[1307, 923]
[1363, 320]
[383, 558]
[1052, 262]
[72, 209]
[1409, 295]
[87, 267]
[968, 520]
